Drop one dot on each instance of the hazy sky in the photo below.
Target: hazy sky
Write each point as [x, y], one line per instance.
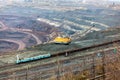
[114, 0]
[60, 0]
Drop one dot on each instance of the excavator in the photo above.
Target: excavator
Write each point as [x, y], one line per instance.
[62, 39]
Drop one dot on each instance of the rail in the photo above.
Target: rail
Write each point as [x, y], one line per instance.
[72, 51]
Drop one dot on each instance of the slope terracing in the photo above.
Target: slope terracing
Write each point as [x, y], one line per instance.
[31, 26]
[23, 32]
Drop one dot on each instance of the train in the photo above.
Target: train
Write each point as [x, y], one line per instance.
[18, 61]
[65, 53]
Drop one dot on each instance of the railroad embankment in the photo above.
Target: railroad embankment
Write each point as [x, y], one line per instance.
[92, 38]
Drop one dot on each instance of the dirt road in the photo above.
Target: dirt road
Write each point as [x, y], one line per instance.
[21, 44]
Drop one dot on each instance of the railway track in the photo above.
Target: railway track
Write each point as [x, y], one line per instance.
[47, 69]
[74, 50]
[8, 68]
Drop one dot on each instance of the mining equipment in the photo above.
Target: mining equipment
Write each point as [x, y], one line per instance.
[63, 39]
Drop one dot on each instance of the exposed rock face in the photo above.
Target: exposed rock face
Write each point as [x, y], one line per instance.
[33, 25]
[24, 32]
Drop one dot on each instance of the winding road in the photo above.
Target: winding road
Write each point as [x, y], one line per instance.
[21, 44]
[27, 31]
